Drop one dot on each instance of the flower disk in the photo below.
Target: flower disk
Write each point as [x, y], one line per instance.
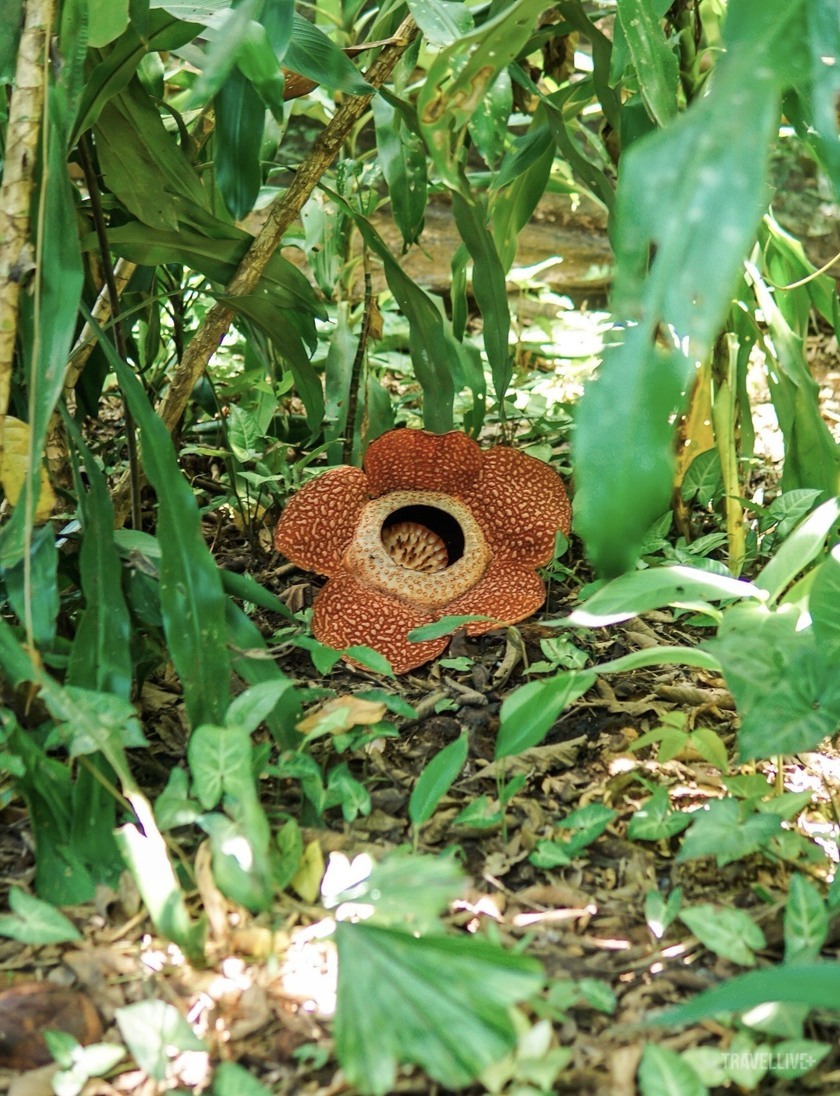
[434, 526]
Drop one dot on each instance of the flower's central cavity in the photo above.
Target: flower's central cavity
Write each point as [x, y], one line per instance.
[424, 547]
[423, 538]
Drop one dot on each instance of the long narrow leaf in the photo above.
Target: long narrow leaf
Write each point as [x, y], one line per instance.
[192, 599]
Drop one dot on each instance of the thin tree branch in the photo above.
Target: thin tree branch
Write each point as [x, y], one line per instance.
[282, 213]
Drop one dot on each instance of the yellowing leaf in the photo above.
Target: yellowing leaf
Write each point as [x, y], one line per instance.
[15, 464]
[342, 714]
[307, 880]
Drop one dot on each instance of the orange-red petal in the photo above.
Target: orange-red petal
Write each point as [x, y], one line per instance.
[520, 503]
[319, 521]
[347, 613]
[417, 460]
[509, 592]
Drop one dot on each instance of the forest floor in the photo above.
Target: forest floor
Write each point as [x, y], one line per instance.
[263, 1000]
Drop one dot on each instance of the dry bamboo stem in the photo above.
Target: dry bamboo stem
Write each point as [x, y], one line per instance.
[17, 256]
[282, 213]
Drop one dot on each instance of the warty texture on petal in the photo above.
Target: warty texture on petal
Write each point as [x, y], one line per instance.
[509, 592]
[520, 503]
[346, 613]
[318, 522]
[417, 460]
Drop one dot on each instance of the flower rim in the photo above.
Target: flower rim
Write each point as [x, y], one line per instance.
[368, 559]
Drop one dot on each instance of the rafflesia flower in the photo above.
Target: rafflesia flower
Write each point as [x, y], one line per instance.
[434, 526]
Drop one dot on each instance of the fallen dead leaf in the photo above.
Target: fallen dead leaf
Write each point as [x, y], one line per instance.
[342, 714]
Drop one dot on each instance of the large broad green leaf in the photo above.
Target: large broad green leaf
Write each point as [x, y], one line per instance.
[442, 1003]
[108, 20]
[653, 59]
[240, 120]
[707, 167]
[814, 984]
[144, 167]
[786, 687]
[192, 598]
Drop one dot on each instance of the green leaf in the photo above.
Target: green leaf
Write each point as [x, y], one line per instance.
[794, 1058]
[443, 627]
[657, 819]
[785, 687]
[641, 591]
[100, 657]
[802, 547]
[405, 891]
[442, 22]
[719, 830]
[432, 346]
[586, 824]
[708, 166]
[402, 157]
[146, 854]
[220, 761]
[731, 933]
[35, 922]
[813, 984]
[528, 713]
[192, 599]
[663, 1072]
[806, 921]
[240, 857]
[823, 602]
[461, 73]
[436, 779]
[154, 1031]
[231, 1079]
[489, 286]
[256, 704]
[312, 54]
[42, 605]
[108, 19]
[439, 1002]
[655, 62]
[144, 166]
[660, 913]
[119, 63]
[240, 121]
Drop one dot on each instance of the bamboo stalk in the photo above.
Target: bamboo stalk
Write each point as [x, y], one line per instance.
[17, 256]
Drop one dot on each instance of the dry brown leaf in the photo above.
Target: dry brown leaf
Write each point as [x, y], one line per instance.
[14, 467]
[341, 714]
[540, 759]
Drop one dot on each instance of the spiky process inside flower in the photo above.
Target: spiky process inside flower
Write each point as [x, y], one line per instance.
[412, 545]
